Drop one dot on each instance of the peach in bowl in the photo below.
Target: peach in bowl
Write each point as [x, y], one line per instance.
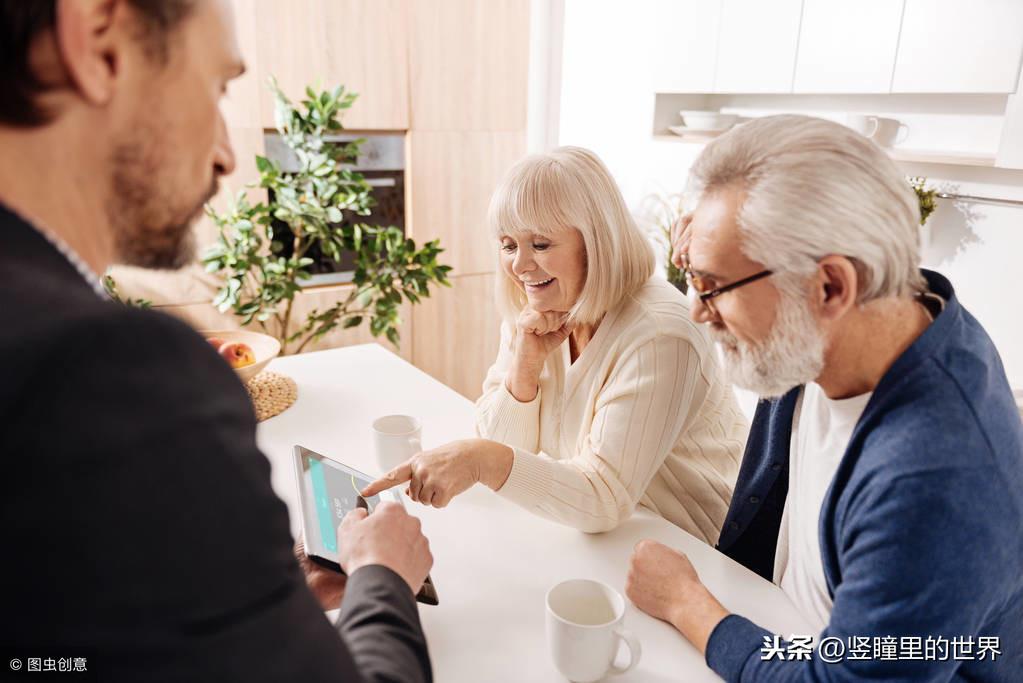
[247, 352]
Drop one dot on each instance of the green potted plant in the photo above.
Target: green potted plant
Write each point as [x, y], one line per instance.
[261, 277]
[927, 196]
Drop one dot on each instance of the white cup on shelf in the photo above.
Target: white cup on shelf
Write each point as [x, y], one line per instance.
[863, 124]
[584, 630]
[396, 438]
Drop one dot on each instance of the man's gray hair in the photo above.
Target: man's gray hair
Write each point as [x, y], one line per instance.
[815, 188]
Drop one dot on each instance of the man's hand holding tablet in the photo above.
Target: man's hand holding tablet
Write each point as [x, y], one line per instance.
[389, 537]
[344, 530]
[328, 586]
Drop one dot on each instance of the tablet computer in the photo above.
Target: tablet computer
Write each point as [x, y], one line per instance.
[327, 491]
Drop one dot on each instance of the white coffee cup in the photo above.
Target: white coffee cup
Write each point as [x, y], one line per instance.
[396, 439]
[864, 125]
[584, 629]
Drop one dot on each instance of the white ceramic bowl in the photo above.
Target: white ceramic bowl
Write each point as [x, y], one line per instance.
[707, 120]
[263, 346]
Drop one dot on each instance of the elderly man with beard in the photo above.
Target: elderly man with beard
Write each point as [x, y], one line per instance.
[882, 483]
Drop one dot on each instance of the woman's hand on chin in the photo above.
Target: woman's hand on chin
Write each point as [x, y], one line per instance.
[538, 333]
[435, 477]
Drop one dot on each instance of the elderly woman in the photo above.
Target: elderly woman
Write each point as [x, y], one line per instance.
[604, 393]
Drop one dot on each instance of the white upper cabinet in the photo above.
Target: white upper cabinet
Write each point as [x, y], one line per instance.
[684, 40]
[847, 47]
[1010, 151]
[959, 47]
[757, 46]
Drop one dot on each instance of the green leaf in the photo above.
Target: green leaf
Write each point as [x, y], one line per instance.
[354, 321]
[365, 298]
[393, 336]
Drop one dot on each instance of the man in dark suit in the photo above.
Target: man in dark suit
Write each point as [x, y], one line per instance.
[139, 528]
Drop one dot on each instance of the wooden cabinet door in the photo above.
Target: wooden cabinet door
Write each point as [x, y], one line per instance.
[757, 46]
[470, 64]
[361, 44]
[847, 47]
[959, 47]
[451, 177]
[457, 333]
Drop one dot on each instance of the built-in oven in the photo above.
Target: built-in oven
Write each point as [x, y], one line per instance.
[382, 163]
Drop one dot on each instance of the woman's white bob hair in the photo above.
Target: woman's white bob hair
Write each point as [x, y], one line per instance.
[569, 188]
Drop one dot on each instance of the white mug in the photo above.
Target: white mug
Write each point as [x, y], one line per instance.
[396, 439]
[890, 132]
[584, 629]
[864, 125]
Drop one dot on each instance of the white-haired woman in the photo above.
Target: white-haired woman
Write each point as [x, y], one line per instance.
[604, 393]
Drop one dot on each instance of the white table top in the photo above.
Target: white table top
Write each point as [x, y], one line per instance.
[493, 561]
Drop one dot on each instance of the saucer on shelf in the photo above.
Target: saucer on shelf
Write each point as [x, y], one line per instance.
[686, 131]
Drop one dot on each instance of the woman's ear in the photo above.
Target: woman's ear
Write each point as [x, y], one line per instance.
[839, 286]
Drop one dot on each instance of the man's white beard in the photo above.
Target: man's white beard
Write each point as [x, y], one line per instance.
[791, 355]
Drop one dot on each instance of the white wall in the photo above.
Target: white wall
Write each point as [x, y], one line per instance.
[607, 104]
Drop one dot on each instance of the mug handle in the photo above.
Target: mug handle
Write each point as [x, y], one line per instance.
[416, 443]
[899, 137]
[875, 124]
[635, 650]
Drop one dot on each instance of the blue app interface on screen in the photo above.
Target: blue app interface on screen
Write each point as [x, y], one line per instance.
[336, 493]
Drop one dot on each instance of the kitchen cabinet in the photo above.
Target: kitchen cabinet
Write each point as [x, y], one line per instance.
[469, 64]
[457, 333]
[950, 46]
[847, 47]
[241, 106]
[683, 40]
[361, 44]
[1010, 152]
[756, 50]
[451, 177]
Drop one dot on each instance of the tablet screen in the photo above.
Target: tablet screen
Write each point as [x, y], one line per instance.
[330, 491]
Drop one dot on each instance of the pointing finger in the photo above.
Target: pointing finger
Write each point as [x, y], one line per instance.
[399, 475]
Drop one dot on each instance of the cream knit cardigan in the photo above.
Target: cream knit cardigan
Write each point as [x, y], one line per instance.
[642, 416]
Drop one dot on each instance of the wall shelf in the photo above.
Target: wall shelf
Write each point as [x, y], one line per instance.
[973, 130]
[910, 155]
[940, 157]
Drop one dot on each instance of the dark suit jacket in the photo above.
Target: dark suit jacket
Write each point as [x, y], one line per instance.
[139, 529]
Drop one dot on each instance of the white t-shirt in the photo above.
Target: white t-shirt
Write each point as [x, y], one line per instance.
[821, 428]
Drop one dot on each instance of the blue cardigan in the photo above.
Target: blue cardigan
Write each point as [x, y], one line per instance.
[921, 530]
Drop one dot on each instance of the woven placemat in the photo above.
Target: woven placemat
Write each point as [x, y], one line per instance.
[272, 393]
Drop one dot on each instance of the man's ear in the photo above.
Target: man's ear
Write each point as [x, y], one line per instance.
[89, 36]
[839, 286]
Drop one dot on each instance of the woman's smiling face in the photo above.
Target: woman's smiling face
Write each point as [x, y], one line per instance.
[550, 269]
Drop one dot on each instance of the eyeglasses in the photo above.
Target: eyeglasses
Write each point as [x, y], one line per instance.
[700, 287]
